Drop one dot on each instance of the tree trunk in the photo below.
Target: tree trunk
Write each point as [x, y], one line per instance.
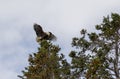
[116, 69]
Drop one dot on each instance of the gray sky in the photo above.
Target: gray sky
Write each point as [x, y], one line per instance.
[65, 18]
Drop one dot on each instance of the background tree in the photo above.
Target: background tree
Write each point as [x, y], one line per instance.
[97, 54]
[46, 64]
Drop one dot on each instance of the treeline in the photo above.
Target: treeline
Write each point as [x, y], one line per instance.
[98, 56]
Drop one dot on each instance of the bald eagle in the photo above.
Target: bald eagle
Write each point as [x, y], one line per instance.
[41, 35]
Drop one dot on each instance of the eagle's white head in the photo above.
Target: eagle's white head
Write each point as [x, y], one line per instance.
[38, 39]
[48, 33]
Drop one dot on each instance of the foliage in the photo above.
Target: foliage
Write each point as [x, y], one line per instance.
[98, 57]
[46, 64]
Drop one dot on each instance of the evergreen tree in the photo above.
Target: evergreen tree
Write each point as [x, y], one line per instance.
[46, 63]
[98, 53]
[65, 68]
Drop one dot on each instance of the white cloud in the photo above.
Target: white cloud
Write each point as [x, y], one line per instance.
[10, 36]
[7, 74]
[64, 18]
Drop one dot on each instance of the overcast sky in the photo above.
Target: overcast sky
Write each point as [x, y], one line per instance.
[65, 18]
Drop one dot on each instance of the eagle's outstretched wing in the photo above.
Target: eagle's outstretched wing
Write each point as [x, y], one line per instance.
[38, 29]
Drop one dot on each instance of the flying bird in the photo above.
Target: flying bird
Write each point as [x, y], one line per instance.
[41, 35]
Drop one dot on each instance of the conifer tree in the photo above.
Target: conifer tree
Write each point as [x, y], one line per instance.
[46, 63]
[98, 56]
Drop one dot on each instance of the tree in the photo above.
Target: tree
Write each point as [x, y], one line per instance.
[97, 54]
[46, 63]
